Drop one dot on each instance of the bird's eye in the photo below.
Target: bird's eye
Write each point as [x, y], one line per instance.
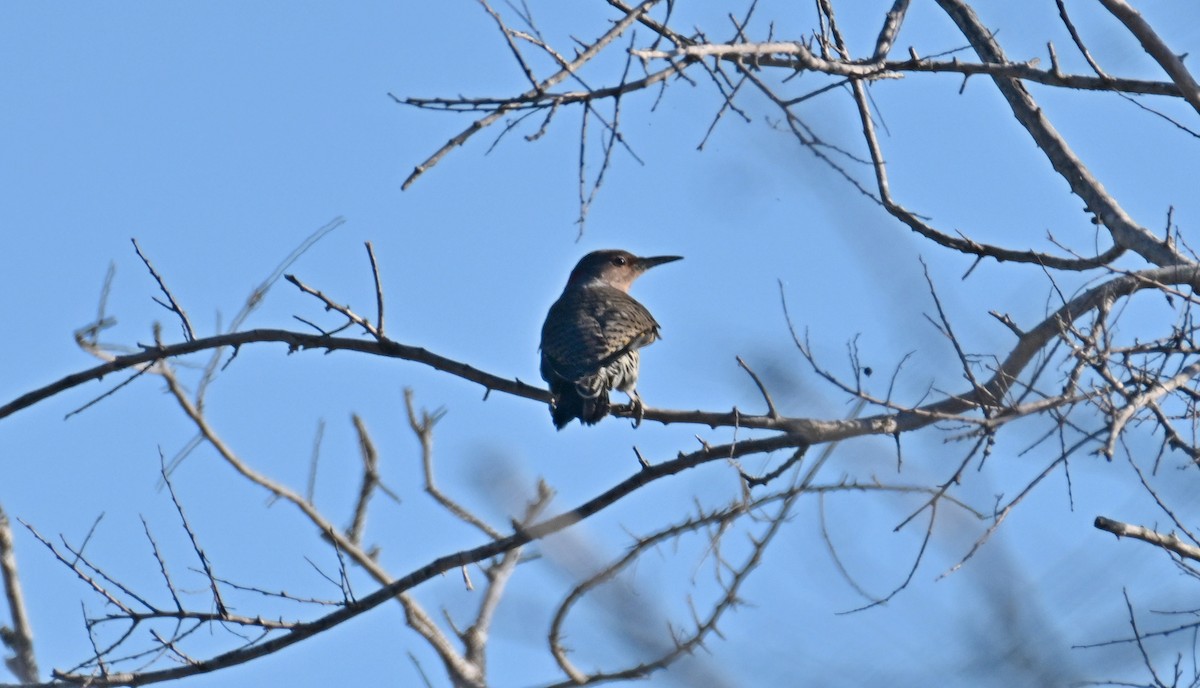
[618, 260]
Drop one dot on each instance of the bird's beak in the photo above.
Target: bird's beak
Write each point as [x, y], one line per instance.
[647, 263]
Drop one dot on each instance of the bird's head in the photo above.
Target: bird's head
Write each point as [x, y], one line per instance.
[613, 268]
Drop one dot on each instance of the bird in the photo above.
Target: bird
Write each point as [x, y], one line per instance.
[592, 334]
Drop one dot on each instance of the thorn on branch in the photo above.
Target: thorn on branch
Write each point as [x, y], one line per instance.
[641, 459]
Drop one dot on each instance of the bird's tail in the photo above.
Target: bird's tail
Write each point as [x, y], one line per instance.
[570, 404]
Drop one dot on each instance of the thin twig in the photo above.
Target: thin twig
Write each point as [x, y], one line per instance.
[171, 305]
[762, 389]
[378, 290]
[187, 527]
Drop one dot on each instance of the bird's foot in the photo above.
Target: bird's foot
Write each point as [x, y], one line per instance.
[638, 409]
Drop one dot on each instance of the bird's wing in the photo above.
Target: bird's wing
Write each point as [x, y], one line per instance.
[587, 329]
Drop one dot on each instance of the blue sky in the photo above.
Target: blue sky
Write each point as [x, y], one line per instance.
[221, 134]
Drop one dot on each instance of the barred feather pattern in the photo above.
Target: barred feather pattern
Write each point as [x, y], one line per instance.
[590, 343]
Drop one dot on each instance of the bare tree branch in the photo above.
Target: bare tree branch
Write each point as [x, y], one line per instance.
[1125, 231]
[18, 638]
[1156, 48]
[587, 55]
[1168, 541]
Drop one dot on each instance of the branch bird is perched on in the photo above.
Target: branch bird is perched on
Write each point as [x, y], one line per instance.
[592, 334]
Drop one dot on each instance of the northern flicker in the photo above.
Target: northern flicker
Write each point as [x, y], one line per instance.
[592, 334]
